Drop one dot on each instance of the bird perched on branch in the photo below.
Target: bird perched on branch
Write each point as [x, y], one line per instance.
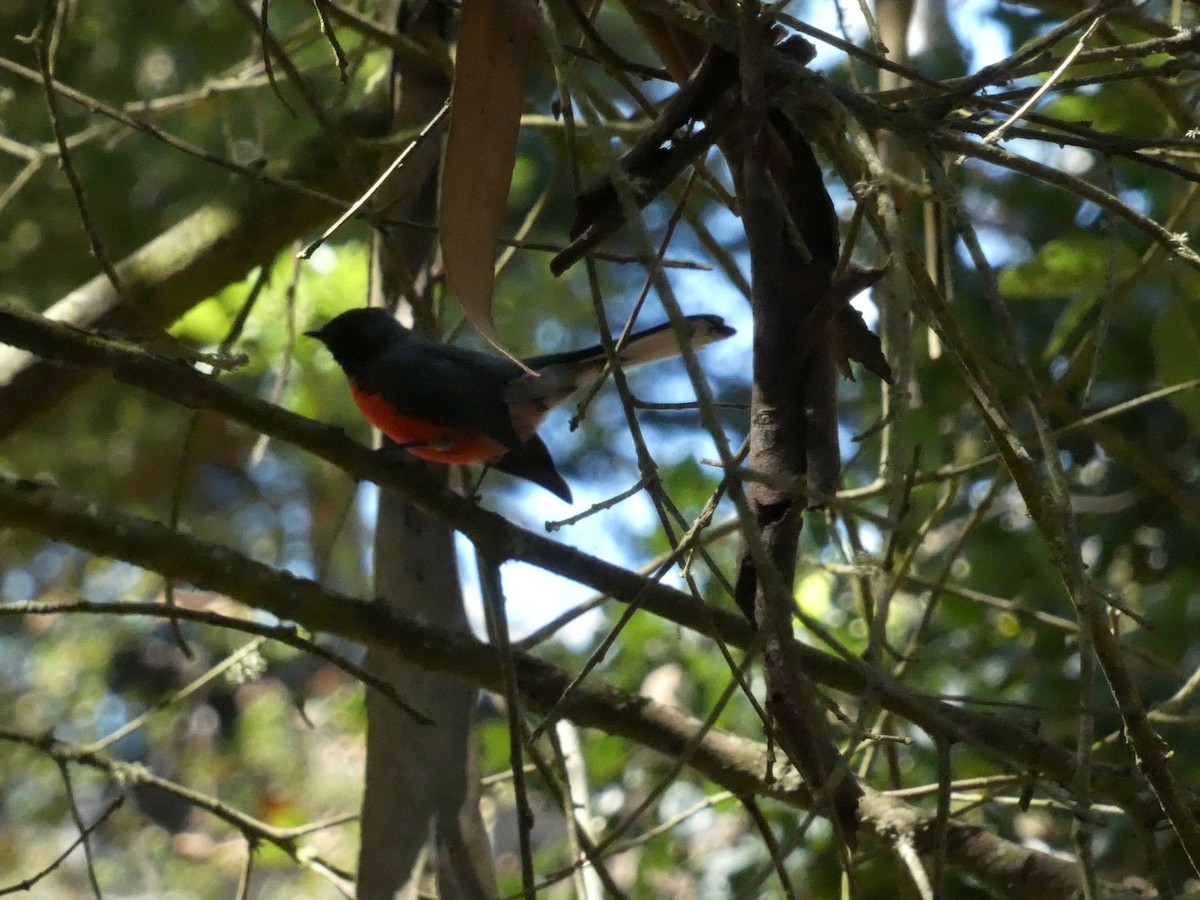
[453, 405]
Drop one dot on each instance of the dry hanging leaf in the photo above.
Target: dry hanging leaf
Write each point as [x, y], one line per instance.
[678, 50]
[698, 115]
[496, 40]
[853, 340]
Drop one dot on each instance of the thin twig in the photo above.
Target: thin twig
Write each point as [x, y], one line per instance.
[602, 505]
[772, 844]
[117, 115]
[330, 35]
[1175, 244]
[387, 173]
[941, 824]
[497, 623]
[42, 39]
[263, 37]
[230, 661]
[84, 833]
[243, 886]
[998, 132]
[1003, 70]
[1109, 302]
[284, 634]
[289, 345]
[28, 884]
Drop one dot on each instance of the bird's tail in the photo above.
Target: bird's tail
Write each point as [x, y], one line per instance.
[558, 375]
[532, 461]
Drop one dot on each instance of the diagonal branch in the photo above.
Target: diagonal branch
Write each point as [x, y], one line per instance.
[502, 540]
[490, 532]
[216, 245]
[734, 763]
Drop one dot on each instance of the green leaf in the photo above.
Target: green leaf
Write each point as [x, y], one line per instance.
[1176, 349]
[1076, 266]
[1121, 109]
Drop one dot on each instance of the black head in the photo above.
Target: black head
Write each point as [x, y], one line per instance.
[359, 335]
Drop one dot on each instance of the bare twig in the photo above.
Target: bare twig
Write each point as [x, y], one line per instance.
[43, 41]
[327, 31]
[1175, 244]
[84, 831]
[378, 183]
[998, 132]
[27, 884]
[497, 623]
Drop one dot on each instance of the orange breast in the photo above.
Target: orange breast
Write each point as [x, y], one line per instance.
[438, 443]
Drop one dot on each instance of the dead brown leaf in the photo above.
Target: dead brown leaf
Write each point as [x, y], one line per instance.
[497, 39]
[853, 340]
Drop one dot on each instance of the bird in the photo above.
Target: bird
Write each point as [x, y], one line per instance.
[455, 405]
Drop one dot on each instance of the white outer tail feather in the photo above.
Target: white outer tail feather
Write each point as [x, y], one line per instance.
[532, 396]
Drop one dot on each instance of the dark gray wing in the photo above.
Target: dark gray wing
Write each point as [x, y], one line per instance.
[445, 385]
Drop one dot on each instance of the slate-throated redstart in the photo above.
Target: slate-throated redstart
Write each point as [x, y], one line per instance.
[454, 405]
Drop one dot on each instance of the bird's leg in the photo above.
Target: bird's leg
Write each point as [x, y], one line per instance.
[475, 490]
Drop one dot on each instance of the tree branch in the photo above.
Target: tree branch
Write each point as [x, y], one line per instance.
[502, 540]
[216, 245]
[178, 383]
[734, 763]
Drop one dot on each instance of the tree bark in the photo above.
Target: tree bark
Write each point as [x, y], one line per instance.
[419, 779]
[420, 816]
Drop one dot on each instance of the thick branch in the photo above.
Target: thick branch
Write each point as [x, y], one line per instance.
[216, 245]
[494, 535]
[181, 384]
[732, 762]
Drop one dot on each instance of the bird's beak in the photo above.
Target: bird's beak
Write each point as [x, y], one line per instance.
[314, 333]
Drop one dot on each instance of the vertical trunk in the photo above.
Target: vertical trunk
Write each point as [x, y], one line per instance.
[421, 802]
[420, 814]
[793, 412]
